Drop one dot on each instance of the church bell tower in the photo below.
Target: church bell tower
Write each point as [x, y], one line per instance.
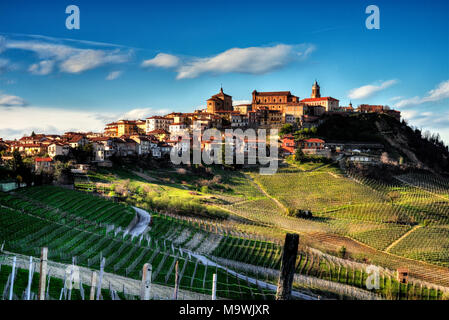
[316, 90]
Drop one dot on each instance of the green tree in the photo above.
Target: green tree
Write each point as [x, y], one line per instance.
[299, 155]
[286, 129]
[342, 252]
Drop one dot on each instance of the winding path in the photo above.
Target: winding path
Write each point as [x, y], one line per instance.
[143, 220]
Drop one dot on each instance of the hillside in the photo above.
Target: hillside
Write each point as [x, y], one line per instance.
[416, 148]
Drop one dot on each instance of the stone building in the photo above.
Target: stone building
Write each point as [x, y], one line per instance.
[329, 103]
[219, 102]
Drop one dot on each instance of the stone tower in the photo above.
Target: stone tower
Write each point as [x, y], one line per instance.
[316, 90]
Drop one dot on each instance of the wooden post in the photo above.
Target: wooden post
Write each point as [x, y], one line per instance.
[43, 273]
[214, 286]
[145, 289]
[175, 295]
[289, 255]
[93, 284]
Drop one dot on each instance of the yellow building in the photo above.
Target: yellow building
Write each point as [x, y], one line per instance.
[125, 127]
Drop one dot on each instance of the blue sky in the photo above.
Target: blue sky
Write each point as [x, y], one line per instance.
[135, 58]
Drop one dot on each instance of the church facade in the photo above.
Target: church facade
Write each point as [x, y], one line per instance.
[219, 102]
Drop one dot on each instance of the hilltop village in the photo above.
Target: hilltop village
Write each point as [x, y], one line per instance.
[153, 136]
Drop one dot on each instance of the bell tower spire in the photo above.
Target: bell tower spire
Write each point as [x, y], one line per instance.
[316, 90]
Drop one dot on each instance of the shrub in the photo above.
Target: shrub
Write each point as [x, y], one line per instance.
[342, 253]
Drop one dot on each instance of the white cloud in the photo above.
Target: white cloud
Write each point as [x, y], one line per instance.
[90, 59]
[370, 89]
[251, 60]
[113, 75]
[142, 113]
[434, 121]
[7, 100]
[14, 122]
[162, 60]
[42, 68]
[439, 93]
[69, 59]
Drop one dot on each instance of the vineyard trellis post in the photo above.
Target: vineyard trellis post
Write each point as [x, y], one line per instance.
[175, 296]
[214, 286]
[93, 284]
[30, 279]
[100, 278]
[43, 273]
[145, 290]
[289, 255]
[11, 288]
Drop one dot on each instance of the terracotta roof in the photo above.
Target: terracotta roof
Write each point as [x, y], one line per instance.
[158, 131]
[160, 117]
[48, 159]
[76, 139]
[274, 93]
[318, 99]
[58, 144]
[30, 145]
[314, 140]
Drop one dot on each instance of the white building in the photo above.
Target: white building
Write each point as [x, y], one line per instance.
[177, 127]
[58, 149]
[157, 122]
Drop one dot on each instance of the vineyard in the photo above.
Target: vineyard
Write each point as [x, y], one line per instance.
[26, 227]
[389, 223]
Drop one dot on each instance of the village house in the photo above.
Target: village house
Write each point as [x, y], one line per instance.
[288, 145]
[312, 144]
[163, 149]
[157, 123]
[42, 164]
[126, 146]
[177, 127]
[78, 141]
[145, 144]
[58, 149]
[180, 144]
[238, 120]
[104, 147]
[125, 127]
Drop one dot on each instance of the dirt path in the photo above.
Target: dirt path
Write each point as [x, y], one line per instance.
[145, 176]
[394, 243]
[279, 204]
